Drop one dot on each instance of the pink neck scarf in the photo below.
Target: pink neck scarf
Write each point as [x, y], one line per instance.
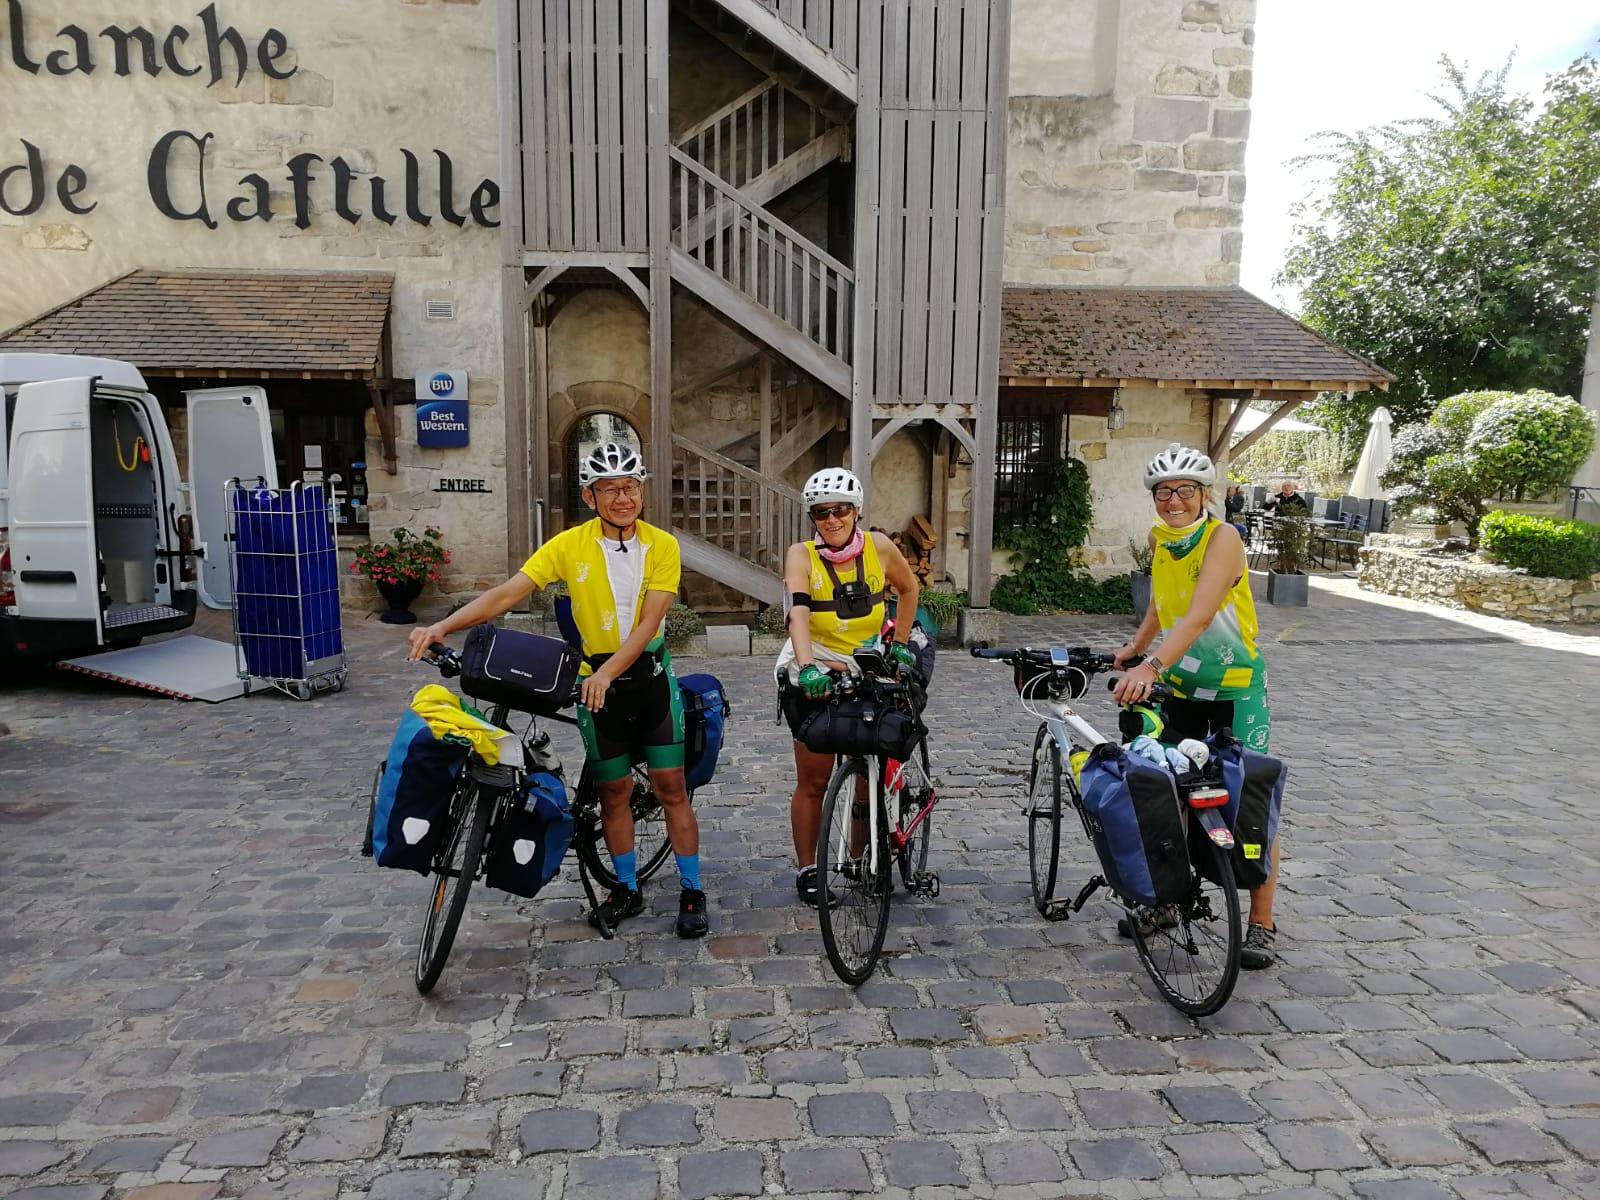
[845, 553]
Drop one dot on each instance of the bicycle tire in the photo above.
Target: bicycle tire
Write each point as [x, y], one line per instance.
[649, 833]
[446, 904]
[913, 855]
[1044, 818]
[1165, 956]
[854, 907]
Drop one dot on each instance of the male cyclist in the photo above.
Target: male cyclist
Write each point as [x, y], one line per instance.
[623, 576]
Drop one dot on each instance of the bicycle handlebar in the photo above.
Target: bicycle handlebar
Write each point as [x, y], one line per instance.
[1080, 657]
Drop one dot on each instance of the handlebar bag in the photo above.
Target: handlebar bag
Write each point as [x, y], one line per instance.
[524, 671]
[531, 841]
[411, 813]
[854, 726]
[1255, 784]
[1136, 818]
[705, 718]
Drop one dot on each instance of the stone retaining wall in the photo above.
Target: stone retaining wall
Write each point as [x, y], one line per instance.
[1405, 567]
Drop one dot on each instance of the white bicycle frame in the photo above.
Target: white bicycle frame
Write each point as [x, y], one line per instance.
[841, 851]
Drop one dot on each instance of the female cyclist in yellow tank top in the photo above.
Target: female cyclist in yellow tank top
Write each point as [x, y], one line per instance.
[1202, 611]
[836, 586]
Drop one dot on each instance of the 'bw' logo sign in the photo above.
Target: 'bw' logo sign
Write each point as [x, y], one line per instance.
[442, 414]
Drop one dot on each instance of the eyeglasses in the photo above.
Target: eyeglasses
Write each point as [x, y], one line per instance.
[1184, 491]
[832, 512]
[631, 490]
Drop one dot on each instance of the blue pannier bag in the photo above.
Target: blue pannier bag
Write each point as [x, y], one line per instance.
[1255, 784]
[705, 716]
[1137, 820]
[411, 813]
[531, 841]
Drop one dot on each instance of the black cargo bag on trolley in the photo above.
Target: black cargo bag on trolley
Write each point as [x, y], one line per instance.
[524, 671]
[1137, 820]
[853, 726]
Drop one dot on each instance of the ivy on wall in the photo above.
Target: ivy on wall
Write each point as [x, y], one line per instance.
[1049, 541]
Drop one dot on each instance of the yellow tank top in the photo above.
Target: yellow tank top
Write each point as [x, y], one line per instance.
[832, 631]
[1223, 663]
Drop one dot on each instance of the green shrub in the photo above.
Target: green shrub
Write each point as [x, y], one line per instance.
[1144, 556]
[943, 606]
[1543, 546]
[772, 621]
[1289, 539]
[682, 624]
[1531, 444]
[1050, 576]
[1035, 591]
[1455, 414]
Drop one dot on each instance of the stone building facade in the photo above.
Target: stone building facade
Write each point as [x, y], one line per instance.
[1128, 122]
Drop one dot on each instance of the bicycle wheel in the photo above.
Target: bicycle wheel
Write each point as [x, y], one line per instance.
[454, 872]
[915, 784]
[650, 841]
[1191, 949]
[1044, 817]
[854, 881]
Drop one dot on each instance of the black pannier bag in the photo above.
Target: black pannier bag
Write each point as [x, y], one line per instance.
[524, 671]
[861, 727]
[1255, 784]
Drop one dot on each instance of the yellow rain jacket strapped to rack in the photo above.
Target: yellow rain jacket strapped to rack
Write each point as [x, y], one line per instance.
[442, 710]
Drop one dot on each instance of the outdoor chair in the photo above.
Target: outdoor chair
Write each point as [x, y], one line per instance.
[1351, 536]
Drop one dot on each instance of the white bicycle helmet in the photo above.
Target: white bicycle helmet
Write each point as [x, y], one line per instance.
[833, 485]
[611, 460]
[1179, 462]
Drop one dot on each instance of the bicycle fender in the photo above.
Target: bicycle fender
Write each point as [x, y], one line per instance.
[1216, 828]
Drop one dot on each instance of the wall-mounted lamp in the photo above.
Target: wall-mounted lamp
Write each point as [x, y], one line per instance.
[1118, 415]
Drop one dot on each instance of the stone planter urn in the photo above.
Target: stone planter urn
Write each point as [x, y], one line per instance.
[1291, 590]
[399, 597]
[1140, 582]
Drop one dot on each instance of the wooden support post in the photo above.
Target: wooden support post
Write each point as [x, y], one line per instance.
[863, 341]
[766, 516]
[658, 135]
[1290, 402]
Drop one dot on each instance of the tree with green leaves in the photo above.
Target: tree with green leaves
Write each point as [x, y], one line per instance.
[1459, 250]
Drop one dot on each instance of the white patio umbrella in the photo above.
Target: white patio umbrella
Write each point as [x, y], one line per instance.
[1253, 417]
[1374, 459]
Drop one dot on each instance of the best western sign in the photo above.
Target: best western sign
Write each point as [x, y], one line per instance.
[442, 410]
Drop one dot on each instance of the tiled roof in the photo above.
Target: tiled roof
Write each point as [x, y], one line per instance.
[167, 322]
[1215, 336]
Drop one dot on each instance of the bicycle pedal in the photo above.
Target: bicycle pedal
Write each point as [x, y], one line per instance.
[925, 883]
[1058, 910]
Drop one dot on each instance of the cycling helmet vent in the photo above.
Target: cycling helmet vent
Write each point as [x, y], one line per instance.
[611, 460]
[833, 485]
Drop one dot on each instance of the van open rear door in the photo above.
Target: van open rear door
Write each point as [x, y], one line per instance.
[230, 437]
[53, 554]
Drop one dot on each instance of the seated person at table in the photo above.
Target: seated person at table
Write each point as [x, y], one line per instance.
[1233, 506]
[1289, 501]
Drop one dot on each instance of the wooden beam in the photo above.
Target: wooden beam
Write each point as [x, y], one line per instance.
[540, 281]
[786, 39]
[640, 292]
[1222, 439]
[716, 375]
[1291, 401]
[867, 215]
[660, 262]
[807, 432]
[605, 259]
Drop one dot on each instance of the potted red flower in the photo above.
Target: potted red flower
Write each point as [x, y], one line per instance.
[399, 567]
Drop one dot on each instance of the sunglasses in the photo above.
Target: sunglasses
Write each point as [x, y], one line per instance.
[832, 512]
[1184, 491]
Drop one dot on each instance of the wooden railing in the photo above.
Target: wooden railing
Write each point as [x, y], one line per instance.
[750, 134]
[732, 507]
[769, 261]
[831, 24]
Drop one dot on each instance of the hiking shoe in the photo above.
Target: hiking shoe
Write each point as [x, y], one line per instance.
[692, 913]
[1260, 947]
[615, 908]
[1150, 920]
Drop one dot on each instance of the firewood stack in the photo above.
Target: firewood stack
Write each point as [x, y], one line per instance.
[917, 544]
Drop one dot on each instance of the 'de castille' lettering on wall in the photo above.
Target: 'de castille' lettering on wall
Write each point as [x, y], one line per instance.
[219, 51]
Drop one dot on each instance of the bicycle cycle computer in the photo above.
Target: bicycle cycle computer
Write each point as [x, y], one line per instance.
[1060, 657]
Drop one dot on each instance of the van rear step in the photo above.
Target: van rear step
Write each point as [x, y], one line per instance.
[140, 614]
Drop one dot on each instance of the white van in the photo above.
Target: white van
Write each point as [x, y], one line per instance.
[98, 545]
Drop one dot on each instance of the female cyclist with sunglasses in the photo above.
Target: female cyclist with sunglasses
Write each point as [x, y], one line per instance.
[836, 591]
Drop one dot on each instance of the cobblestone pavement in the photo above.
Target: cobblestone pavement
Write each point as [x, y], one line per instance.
[205, 990]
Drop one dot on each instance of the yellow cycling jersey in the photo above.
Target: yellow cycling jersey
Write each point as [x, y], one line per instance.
[1223, 662]
[840, 634]
[576, 557]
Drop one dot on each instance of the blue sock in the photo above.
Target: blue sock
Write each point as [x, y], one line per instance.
[689, 870]
[627, 869]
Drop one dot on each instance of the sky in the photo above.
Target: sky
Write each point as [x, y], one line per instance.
[1375, 61]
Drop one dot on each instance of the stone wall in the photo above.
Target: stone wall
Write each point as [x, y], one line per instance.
[371, 79]
[1400, 566]
[1128, 124]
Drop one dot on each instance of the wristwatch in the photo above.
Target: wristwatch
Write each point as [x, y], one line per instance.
[1155, 664]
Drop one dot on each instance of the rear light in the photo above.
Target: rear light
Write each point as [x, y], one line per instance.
[1208, 798]
[187, 572]
[8, 584]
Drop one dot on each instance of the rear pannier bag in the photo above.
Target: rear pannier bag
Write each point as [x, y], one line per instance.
[532, 839]
[524, 671]
[861, 727]
[1255, 784]
[1137, 820]
[705, 716]
[411, 813]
